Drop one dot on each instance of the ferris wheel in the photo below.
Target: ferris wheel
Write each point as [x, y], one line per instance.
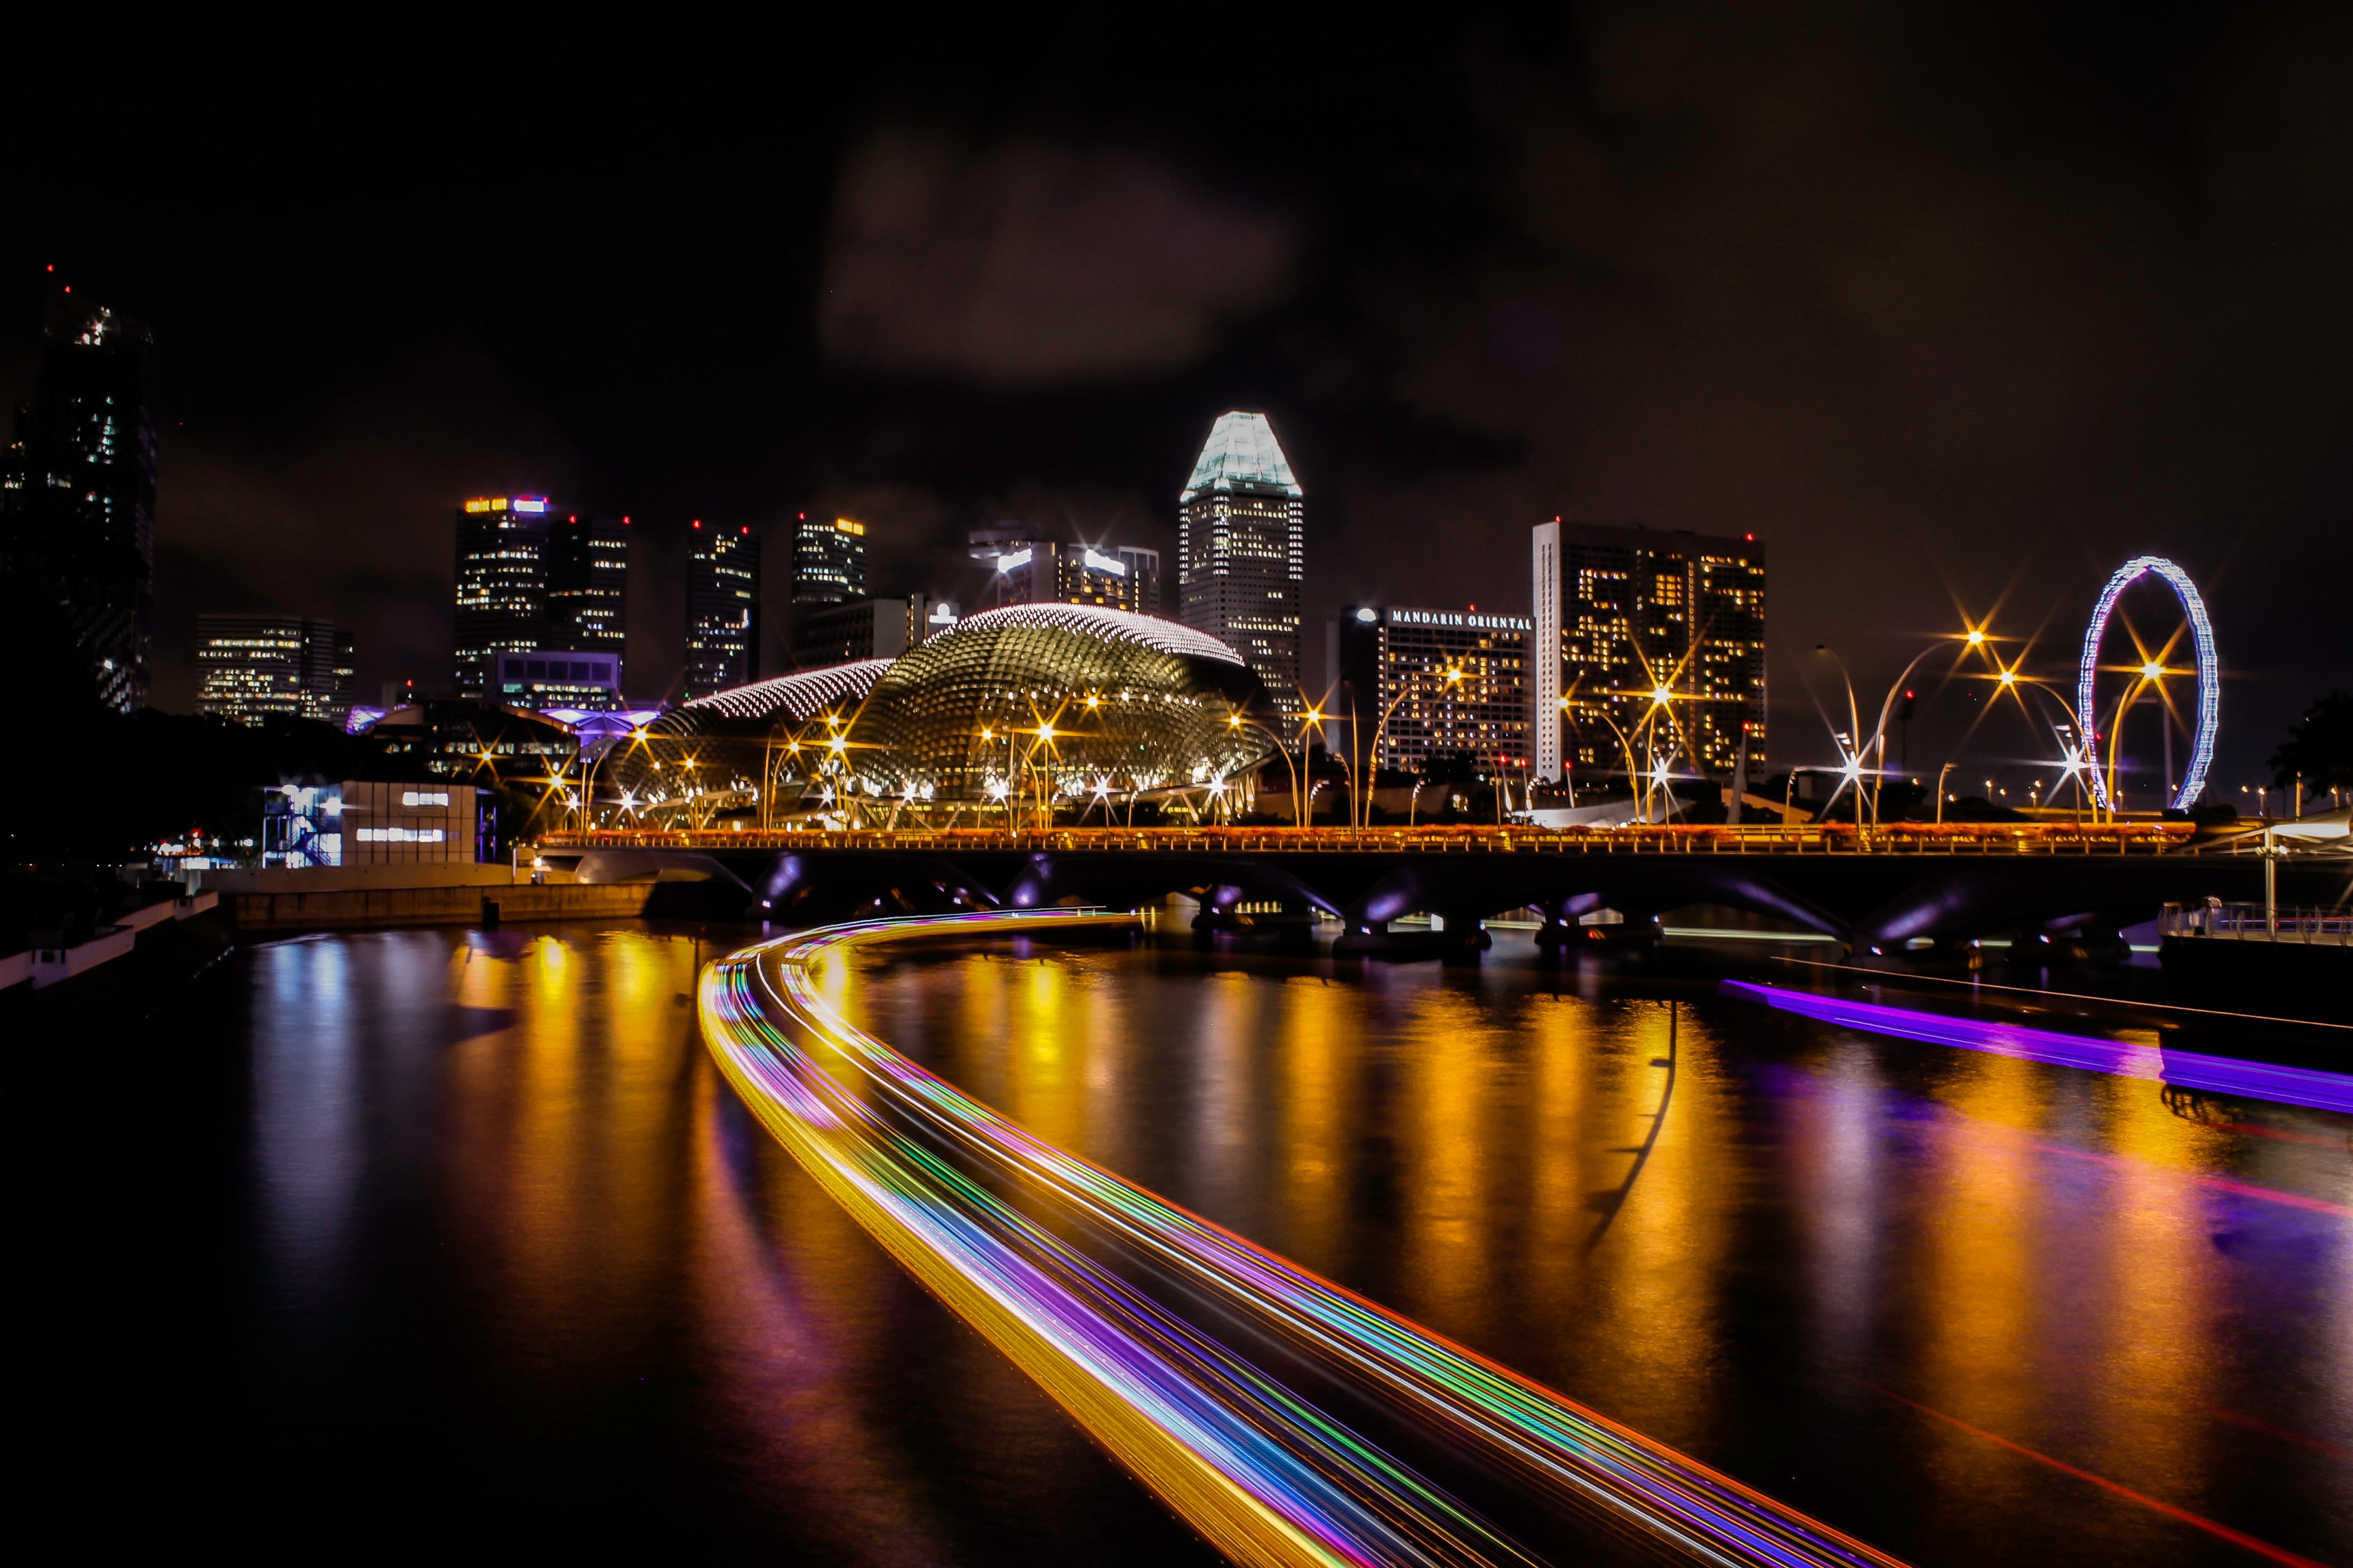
[2208, 672]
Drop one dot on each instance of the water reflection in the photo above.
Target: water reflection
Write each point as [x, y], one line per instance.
[1727, 1234]
[522, 1269]
[553, 1264]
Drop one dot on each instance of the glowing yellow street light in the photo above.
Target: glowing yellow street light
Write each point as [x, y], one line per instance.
[1976, 637]
[2152, 671]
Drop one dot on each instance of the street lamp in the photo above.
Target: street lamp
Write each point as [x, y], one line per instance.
[1633, 774]
[1362, 808]
[1236, 721]
[1875, 746]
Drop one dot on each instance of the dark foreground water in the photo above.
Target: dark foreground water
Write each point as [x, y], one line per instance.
[421, 1241]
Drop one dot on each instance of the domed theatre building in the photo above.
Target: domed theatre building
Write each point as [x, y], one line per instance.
[1029, 712]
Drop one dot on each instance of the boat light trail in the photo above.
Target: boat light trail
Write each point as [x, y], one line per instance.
[2185, 1069]
[1265, 1476]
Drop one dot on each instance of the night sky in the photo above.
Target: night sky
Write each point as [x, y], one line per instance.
[1956, 306]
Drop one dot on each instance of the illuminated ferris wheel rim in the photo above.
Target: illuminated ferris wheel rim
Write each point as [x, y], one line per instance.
[2210, 683]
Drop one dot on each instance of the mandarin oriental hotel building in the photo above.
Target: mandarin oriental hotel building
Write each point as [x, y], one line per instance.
[1453, 684]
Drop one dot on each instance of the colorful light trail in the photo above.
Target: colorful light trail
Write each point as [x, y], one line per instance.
[1264, 1474]
[2187, 1070]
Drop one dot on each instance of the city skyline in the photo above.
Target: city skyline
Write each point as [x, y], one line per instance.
[1922, 446]
[1538, 784]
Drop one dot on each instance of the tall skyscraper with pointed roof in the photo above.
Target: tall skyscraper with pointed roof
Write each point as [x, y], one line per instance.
[1241, 553]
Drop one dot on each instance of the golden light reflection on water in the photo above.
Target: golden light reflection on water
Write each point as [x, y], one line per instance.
[1559, 1221]
[1319, 1091]
[1584, 1186]
[2028, 1248]
[603, 1216]
[1978, 1280]
[1446, 1150]
[1657, 1268]
[2150, 1310]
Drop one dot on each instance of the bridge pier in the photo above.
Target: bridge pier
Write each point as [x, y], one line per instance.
[1217, 912]
[1454, 938]
[1228, 911]
[1560, 928]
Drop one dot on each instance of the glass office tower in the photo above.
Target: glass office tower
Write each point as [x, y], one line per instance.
[1632, 614]
[78, 491]
[722, 608]
[256, 665]
[1241, 547]
[828, 560]
[587, 585]
[501, 584]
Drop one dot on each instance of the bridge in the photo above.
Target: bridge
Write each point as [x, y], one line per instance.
[1873, 889]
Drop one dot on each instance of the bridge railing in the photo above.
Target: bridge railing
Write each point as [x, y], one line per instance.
[1907, 838]
[2253, 922]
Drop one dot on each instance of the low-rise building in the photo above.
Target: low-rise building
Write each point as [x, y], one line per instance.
[866, 628]
[1027, 568]
[369, 822]
[255, 666]
[554, 678]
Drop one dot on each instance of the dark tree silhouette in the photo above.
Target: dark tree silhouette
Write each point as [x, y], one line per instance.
[2319, 748]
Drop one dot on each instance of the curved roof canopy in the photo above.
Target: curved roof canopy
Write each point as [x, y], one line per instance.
[1105, 625]
[1080, 698]
[800, 695]
[1066, 700]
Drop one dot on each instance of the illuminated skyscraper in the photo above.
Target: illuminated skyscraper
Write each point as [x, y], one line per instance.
[1143, 578]
[587, 585]
[1241, 548]
[829, 561]
[501, 583]
[1452, 682]
[722, 608]
[868, 628]
[1029, 569]
[1631, 613]
[78, 491]
[256, 665]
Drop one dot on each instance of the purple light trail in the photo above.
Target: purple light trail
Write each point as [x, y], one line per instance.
[2185, 1069]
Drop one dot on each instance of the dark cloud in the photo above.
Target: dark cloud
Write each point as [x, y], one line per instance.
[349, 515]
[1954, 306]
[1028, 263]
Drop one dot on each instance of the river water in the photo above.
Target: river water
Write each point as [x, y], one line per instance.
[444, 1241]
